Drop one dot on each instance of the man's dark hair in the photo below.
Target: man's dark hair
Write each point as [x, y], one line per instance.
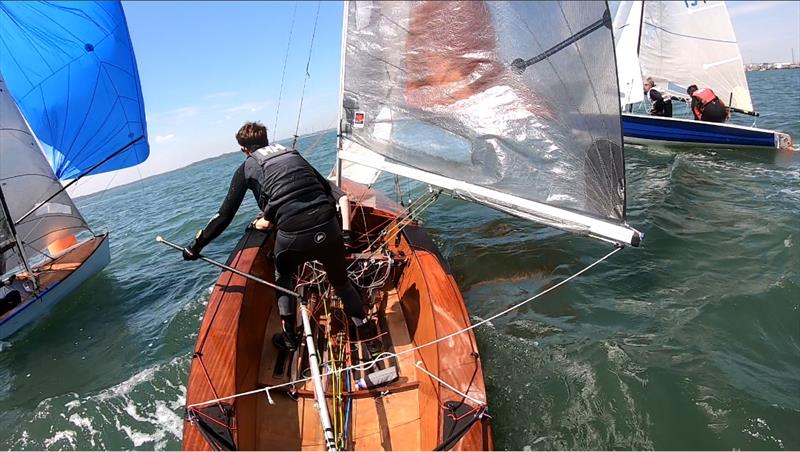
[691, 89]
[252, 135]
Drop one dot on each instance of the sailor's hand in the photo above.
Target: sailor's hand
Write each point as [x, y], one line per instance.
[190, 254]
[261, 224]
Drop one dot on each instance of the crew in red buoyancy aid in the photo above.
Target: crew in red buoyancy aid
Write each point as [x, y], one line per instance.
[706, 106]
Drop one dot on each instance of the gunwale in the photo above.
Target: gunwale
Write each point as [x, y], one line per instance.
[233, 350]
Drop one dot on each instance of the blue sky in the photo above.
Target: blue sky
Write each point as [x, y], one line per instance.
[206, 67]
[766, 30]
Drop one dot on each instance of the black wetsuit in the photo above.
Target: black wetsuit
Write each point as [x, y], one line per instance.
[298, 202]
[661, 106]
[10, 295]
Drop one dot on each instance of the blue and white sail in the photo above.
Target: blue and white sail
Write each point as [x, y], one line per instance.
[71, 69]
[514, 105]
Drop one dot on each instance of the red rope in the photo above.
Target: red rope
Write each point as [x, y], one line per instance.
[221, 424]
[199, 357]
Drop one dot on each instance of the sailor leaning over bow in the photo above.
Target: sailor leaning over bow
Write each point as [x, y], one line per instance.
[298, 203]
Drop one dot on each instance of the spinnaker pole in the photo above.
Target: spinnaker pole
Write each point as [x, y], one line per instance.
[230, 269]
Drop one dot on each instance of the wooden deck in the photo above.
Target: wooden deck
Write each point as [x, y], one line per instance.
[63, 265]
[380, 422]
[417, 305]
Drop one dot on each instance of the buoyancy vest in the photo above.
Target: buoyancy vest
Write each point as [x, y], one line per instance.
[292, 196]
[705, 96]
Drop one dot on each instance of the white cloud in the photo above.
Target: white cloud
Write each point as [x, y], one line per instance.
[248, 107]
[177, 113]
[164, 138]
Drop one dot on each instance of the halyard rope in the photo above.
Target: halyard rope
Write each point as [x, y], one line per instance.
[384, 355]
[283, 74]
[305, 80]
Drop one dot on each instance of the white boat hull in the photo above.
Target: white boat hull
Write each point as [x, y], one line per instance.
[33, 308]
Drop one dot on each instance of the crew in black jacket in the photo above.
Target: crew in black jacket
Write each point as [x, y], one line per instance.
[297, 201]
[661, 106]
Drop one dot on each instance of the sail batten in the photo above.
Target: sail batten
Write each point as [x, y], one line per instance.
[539, 212]
[515, 101]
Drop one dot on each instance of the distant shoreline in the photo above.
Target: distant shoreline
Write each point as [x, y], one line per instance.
[284, 141]
[766, 68]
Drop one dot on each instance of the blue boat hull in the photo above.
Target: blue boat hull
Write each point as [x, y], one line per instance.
[641, 129]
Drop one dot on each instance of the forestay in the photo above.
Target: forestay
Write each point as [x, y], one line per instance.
[510, 104]
[71, 68]
[692, 43]
[27, 179]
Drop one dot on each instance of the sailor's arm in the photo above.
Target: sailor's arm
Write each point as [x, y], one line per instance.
[223, 218]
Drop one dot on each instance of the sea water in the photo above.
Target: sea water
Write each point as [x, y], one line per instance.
[690, 342]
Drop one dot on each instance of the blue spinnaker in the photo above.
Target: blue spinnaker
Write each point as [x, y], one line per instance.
[71, 69]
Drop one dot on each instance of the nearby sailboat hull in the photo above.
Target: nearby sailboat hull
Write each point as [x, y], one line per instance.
[419, 303]
[57, 280]
[642, 129]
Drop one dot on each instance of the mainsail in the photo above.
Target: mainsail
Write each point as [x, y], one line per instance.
[511, 104]
[693, 43]
[27, 179]
[71, 69]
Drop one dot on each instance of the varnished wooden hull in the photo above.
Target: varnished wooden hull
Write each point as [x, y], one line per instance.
[421, 302]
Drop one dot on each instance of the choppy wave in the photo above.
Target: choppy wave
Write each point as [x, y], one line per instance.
[690, 342]
[143, 412]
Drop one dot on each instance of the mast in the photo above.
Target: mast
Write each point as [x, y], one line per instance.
[15, 238]
[319, 393]
[338, 164]
[641, 24]
[638, 43]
